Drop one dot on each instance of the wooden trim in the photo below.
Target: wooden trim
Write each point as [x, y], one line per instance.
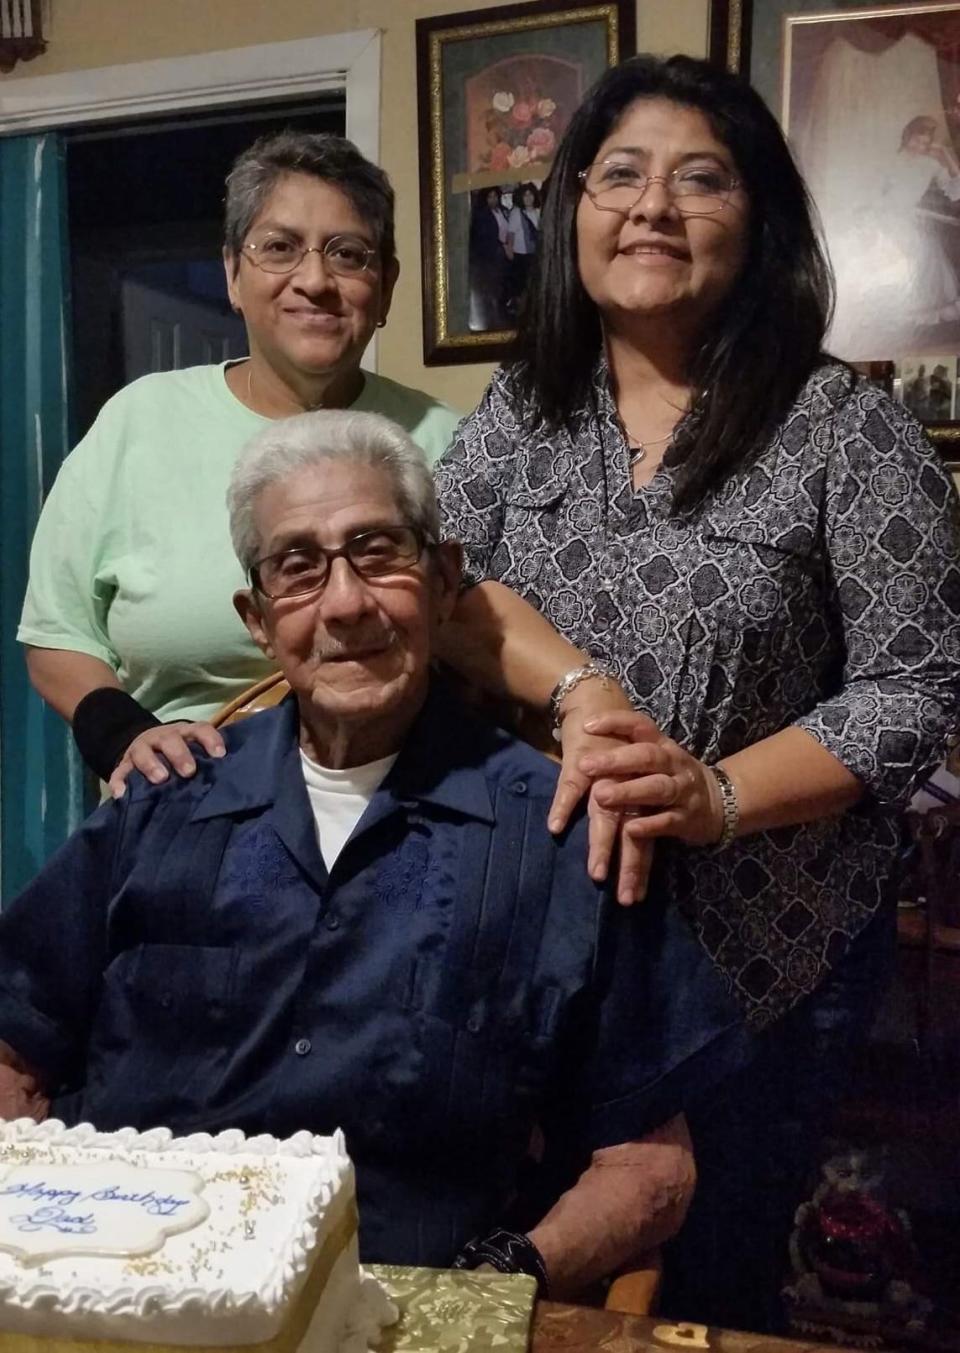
[274, 70]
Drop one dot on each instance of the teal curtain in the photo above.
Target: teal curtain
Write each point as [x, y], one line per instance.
[41, 780]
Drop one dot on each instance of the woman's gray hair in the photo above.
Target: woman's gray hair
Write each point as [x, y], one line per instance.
[333, 159]
[310, 439]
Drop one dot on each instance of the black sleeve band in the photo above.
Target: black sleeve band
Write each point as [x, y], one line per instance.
[105, 722]
[507, 1252]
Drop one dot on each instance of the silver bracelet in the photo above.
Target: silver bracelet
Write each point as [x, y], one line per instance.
[731, 808]
[569, 682]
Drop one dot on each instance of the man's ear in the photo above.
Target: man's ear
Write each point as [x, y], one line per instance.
[448, 563]
[231, 268]
[246, 607]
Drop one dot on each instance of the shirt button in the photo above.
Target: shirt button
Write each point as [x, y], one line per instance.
[333, 921]
[302, 1047]
[519, 787]
[474, 1024]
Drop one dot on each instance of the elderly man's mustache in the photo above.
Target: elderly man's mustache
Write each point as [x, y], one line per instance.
[329, 649]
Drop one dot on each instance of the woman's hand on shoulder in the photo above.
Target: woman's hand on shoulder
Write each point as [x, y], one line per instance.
[658, 787]
[169, 741]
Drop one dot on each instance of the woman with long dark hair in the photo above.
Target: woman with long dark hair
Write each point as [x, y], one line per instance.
[763, 551]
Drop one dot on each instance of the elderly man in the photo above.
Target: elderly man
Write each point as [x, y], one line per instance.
[359, 918]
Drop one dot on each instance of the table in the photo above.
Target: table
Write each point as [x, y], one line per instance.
[580, 1329]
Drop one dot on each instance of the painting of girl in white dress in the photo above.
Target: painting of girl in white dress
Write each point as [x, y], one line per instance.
[870, 105]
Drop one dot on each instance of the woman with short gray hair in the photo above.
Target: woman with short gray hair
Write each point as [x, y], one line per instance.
[129, 630]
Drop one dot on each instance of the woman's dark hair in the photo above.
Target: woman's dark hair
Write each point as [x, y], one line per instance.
[256, 172]
[765, 338]
[522, 191]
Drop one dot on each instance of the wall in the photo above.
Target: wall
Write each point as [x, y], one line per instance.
[85, 34]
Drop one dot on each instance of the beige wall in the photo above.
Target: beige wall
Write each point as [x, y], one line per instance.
[88, 33]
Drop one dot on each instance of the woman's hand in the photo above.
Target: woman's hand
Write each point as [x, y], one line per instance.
[586, 702]
[168, 740]
[659, 788]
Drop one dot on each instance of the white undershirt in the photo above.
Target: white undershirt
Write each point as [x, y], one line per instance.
[338, 799]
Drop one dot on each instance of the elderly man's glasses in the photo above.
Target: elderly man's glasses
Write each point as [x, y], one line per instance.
[372, 554]
[695, 190]
[344, 255]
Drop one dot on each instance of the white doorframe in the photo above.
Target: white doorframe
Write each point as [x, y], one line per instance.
[344, 62]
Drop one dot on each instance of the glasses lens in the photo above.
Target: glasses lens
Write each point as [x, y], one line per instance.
[275, 253]
[615, 183]
[702, 185]
[291, 573]
[347, 255]
[385, 550]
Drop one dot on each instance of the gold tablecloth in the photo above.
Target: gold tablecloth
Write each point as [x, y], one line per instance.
[442, 1311]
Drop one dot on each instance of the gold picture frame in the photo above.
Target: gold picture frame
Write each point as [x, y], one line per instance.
[496, 89]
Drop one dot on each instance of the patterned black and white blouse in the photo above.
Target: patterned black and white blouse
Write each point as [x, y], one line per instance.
[820, 588]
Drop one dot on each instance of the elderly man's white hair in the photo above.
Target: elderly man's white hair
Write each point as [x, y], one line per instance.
[309, 439]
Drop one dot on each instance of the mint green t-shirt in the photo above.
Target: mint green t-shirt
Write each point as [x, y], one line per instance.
[132, 561]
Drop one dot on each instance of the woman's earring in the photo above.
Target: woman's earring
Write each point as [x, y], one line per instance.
[380, 323]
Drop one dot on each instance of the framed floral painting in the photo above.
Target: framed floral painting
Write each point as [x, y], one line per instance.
[497, 88]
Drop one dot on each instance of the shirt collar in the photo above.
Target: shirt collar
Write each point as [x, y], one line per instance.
[438, 763]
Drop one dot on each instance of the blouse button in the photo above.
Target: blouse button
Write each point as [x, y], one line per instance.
[302, 1047]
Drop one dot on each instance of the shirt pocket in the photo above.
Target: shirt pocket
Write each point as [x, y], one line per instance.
[486, 1050]
[534, 526]
[756, 623]
[161, 1040]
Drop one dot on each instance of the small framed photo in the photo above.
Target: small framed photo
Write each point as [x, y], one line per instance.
[496, 91]
[928, 387]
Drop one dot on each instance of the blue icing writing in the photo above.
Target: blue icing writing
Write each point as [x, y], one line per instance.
[40, 1191]
[54, 1219]
[157, 1204]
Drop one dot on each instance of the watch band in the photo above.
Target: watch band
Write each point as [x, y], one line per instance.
[507, 1252]
[731, 808]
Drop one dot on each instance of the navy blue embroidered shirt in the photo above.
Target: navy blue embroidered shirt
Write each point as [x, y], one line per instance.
[187, 960]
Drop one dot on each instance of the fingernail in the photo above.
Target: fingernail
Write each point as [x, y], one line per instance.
[589, 725]
[158, 775]
[554, 824]
[219, 751]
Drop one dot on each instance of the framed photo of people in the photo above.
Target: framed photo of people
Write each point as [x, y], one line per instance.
[870, 100]
[497, 88]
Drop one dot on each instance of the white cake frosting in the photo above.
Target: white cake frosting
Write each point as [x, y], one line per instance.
[192, 1241]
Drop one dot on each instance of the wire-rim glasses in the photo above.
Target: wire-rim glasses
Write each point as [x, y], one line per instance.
[345, 255]
[306, 568]
[695, 190]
